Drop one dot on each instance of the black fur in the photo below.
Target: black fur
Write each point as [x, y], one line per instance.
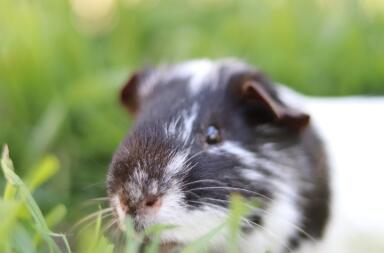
[249, 124]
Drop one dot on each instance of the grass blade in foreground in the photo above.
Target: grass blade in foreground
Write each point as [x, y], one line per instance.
[40, 223]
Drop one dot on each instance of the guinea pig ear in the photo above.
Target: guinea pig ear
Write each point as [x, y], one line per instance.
[257, 92]
[129, 96]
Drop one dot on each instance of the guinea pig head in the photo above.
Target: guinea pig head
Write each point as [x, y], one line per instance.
[203, 131]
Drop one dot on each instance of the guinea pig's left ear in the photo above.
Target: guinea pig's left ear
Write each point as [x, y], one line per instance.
[260, 92]
[129, 95]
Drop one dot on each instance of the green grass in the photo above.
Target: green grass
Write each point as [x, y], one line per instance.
[62, 65]
[23, 211]
[26, 229]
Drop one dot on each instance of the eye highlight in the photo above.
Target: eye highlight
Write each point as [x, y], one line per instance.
[212, 135]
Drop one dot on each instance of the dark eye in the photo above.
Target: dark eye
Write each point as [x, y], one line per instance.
[212, 135]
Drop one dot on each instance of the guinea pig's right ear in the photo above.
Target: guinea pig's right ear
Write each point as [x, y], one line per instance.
[264, 104]
[281, 113]
[129, 95]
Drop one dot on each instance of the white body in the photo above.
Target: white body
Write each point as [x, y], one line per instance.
[353, 132]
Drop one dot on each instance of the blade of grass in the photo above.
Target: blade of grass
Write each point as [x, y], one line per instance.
[238, 210]
[8, 213]
[22, 240]
[54, 217]
[10, 190]
[92, 240]
[42, 172]
[134, 240]
[154, 233]
[32, 206]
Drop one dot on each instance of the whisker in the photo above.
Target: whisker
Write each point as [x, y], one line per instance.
[249, 222]
[204, 180]
[90, 223]
[109, 225]
[263, 211]
[229, 188]
[93, 215]
[284, 244]
[187, 164]
[86, 187]
[194, 156]
[96, 201]
[100, 199]
[294, 226]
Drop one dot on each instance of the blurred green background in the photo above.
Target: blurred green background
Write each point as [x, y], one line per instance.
[62, 64]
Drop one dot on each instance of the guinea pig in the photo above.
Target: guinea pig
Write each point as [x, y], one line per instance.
[205, 130]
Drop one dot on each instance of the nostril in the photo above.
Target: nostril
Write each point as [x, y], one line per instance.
[152, 202]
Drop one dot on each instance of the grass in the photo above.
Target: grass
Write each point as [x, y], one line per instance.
[26, 229]
[62, 65]
[17, 197]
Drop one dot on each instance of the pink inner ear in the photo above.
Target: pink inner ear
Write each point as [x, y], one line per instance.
[255, 90]
[283, 114]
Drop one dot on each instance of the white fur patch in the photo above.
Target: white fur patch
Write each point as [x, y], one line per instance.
[279, 224]
[189, 120]
[205, 73]
[177, 163]
[181, 127]
[198, 71]
[190, 225]
[139, 175]
[171, 128]
[201, 73]
[281, 219]
[134, 190]
[153, 187]
[252, 175]
[247, 157]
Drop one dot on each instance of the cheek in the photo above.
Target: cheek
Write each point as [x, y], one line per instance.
[191, 225]
[116, 205]
[172, 205]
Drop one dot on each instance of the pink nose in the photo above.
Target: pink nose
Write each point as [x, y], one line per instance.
[152, 202]
[149, 205]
